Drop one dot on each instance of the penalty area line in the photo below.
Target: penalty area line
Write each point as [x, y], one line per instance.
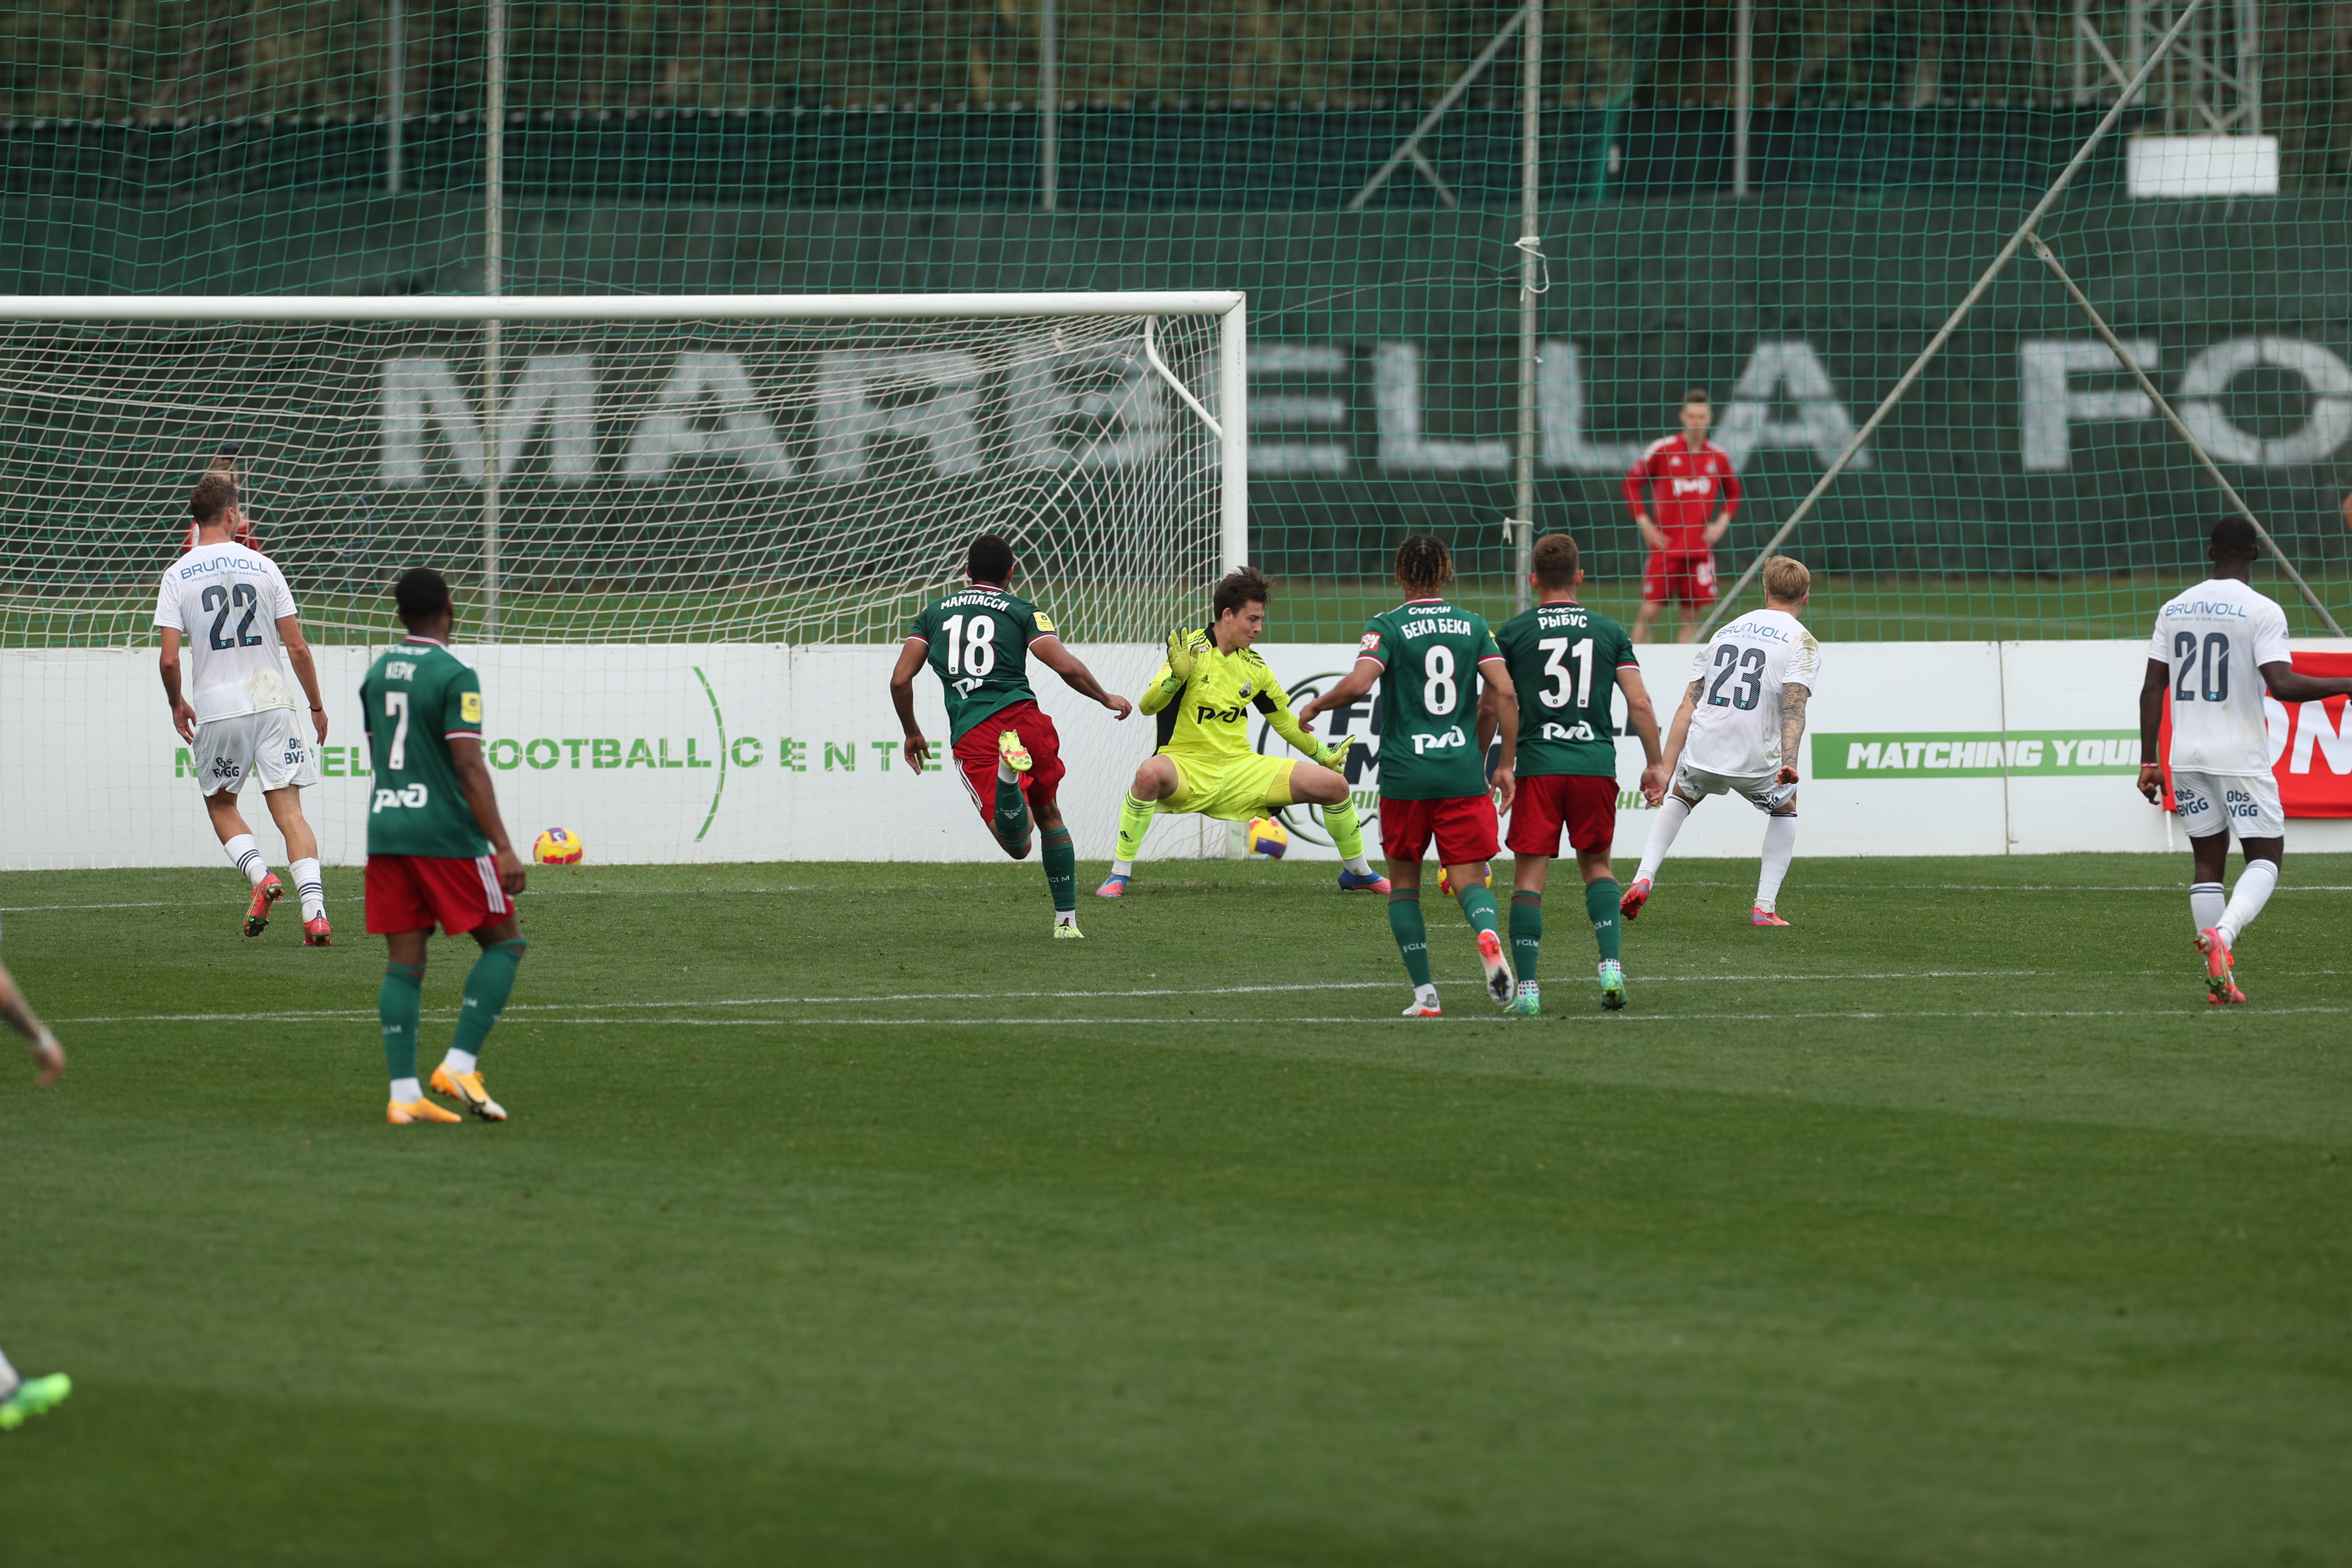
[1607, 1020]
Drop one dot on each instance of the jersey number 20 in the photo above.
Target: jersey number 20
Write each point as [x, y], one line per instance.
[2216, 683]
[975, 650]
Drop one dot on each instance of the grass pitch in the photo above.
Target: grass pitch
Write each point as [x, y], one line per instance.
[846, 1218]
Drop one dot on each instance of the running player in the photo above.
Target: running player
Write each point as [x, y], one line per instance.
[1204, 695]
[232, 607]
[1695, 491]
[1424, 655]
[1565, 660]
[2206, 640]
[437, 850]
[1738, 729]
[978, 641]
[26, 1397]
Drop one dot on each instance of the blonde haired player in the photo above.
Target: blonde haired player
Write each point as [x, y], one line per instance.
[231, 607]
[2217, 648]
[1736, 731]
[1205, 694]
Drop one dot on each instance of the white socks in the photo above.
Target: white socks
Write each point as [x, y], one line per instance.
[246, 856]
[310, 888]
[1426, 996]
[8, 1378]
[2205, 900]
[407, 1091]
[1122, 867]
[459, 1061]
[1066, 917]
[1779, 849]
[1359, 867]
[1005, 772]
[2246, 900]
[1671, 817]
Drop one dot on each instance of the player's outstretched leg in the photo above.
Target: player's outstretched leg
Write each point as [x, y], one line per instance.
[1325, 784]
[399, 1004]
[1526, 945]
[1673, 812]
[1155, 781]
[1411, 933]
[1477, 902]
[1011, 824]
[244, 852]
[302, 863]
[1061, 867]
[1779, 849]
[22, 1398]
[488, 985]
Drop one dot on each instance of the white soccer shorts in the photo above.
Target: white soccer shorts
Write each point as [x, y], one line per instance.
[1696, 783]
[268, 745]
[2245, 804]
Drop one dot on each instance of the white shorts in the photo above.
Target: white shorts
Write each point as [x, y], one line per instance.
[268, 745]
[2245, 804]
[1696, 783]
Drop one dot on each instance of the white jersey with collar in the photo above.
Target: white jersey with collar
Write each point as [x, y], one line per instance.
[1735, 729]
[226, 602]
[2214, 639]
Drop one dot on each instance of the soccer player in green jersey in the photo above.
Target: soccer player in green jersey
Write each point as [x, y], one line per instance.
[1563, 658]
[979, 642]
[1204, 695]
[1426, 656]
[437, 850]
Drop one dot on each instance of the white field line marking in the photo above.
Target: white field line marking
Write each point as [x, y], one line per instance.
[983, 996]
[1608, 1020]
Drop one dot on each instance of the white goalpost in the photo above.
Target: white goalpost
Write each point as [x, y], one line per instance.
[685, 533]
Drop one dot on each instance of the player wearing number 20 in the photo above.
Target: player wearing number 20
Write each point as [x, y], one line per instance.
[1566, 663]
[978, 642]
[1427, 655]
[2216, 647]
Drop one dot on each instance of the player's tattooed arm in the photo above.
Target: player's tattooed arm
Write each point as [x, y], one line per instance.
[1792, 728]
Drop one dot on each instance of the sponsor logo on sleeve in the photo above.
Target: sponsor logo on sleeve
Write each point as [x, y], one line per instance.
[469, 707]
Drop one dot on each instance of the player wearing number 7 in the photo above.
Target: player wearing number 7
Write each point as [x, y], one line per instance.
[979, 641]
[1427, 655]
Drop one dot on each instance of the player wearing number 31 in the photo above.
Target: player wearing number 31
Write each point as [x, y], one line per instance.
[978, 641]
[1427, 655]
[2216, 648]
[1736, 731]
[233, 608]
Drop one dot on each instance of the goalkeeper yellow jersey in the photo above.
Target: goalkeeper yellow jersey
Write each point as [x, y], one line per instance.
[1207, 716]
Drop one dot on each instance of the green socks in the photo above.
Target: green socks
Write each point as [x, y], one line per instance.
[488, 985]
[1600, 903]
[1412, 932]
[1061, 870]
[1478, 907]
[1134, 821]
[1527, 933]
[397, 1007]
[1346, 832]
[1011, 822]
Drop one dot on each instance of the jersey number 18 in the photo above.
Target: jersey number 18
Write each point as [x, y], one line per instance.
[975, 650]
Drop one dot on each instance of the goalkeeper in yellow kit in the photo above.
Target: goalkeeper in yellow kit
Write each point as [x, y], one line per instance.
[1204, 696]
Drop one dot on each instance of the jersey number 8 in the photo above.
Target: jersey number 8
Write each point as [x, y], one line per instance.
[972, 649]
[1438, 693]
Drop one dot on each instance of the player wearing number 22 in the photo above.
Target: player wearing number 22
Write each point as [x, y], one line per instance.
[978, 641]
[1566, 662]
[437, 851]
[1427, 655]
[2217, 648]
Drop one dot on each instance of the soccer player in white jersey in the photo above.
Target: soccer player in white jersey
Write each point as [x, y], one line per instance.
[231, 607]
[2209, 643]
[1741, 717]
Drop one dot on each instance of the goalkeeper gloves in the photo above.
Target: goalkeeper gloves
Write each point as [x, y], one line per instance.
[1336, 757]
[1184, 647]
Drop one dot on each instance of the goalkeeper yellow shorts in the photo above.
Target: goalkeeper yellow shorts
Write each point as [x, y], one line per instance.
[1232, 791]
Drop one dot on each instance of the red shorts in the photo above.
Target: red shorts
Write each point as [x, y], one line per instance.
[411, 892]
[975, 754]
[1586, 807]
[1463, 827]
[1684, 579]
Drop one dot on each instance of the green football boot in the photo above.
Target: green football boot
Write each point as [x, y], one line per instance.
[1527, 1003]
[1613, 985]
[34, 1396]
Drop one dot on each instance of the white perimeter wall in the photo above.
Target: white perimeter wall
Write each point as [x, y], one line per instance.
[625, 746]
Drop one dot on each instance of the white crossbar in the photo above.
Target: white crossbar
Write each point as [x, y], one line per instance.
[597, 307]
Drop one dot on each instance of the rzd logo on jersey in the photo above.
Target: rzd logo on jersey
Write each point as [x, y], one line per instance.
[1580, 730]
[1694, 487]
[394, 799]
[1452, 737]
[1204, 714]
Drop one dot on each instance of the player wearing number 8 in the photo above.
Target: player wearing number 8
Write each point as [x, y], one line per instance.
[978, 642]
[1427, 655]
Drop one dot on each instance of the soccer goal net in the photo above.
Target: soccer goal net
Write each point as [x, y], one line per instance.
[686, 537]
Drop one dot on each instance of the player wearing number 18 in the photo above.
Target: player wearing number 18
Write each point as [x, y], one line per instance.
[1566, 661]
[1427, 655]
[978, 641]
[437, 851]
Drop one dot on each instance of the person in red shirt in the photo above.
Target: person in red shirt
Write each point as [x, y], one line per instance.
[1682, 491]
[225, 464]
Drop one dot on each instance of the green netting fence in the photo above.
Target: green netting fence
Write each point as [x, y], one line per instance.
[1780, 210]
